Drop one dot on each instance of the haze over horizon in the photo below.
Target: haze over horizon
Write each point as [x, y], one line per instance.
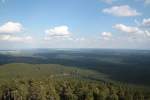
[115, 24]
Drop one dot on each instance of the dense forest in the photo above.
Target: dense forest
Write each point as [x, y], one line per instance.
[113, 63]
[68, 89]
[74, 75]
[19, 81]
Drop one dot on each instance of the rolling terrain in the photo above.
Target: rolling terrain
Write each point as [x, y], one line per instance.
[128, 66]
[74, 74]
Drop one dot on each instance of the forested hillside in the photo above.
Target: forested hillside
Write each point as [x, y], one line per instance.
[86, 74]
[68, 89]
[20, 81]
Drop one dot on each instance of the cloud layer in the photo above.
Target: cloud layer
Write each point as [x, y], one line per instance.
[12, 38]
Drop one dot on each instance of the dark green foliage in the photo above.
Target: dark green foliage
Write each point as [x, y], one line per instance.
[129, 66]
[67, 89]
[56, 82]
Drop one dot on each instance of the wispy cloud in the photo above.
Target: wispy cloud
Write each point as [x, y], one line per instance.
[13, 38]
[132, 29]
[146, 22]
[123, 10]
[127, 29]
[147, 1]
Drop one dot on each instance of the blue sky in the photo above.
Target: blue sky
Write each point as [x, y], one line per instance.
[75, 24]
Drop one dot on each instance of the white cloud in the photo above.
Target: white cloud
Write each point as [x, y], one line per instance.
[146, 22]
[59, 31]
[12, 38]
[123, 10]
[127, 29]
[147, 33]
[79, 39]
[137, 33]
[11, 27]
[106, 35]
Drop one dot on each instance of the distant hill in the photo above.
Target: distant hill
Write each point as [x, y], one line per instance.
[127, 66]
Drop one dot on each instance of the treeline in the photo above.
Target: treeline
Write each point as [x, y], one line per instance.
[67, 89]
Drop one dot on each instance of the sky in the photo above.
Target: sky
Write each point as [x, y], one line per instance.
[115, 24]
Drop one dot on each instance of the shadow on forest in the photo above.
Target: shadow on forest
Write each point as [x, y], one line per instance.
[123, 66]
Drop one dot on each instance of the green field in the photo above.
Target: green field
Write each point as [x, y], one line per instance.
[40, 71]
